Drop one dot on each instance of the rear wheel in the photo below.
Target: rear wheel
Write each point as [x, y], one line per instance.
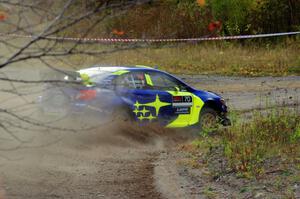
[208, 119]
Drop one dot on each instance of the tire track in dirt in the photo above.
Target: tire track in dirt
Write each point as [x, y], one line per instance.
[138, 179]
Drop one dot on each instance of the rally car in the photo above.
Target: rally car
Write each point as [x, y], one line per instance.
[139, 93]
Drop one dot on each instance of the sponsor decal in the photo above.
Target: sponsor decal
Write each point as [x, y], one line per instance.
[182, 101]
[182, 110]
[142, 112]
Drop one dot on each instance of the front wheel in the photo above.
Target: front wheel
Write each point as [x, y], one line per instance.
[208, 119]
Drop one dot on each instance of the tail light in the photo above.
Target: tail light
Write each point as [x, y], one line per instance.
[87, 94]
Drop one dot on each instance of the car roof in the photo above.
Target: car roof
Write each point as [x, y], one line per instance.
[100, 69]
[111, 69]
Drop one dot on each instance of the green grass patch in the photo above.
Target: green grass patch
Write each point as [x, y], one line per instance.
[260, 156]
[269, 143]
[248, 145]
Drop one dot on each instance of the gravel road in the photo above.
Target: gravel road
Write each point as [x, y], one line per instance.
[108, 161]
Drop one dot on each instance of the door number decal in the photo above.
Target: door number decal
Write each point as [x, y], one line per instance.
[182, 101]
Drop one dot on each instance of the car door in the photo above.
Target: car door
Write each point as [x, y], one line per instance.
[153, 95]
[147, 104]
[182, 101]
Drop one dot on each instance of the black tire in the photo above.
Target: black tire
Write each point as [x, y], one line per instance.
[208, 119]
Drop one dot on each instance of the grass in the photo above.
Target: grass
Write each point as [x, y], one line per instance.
[252, 157]
[250, 148]
[223, 58]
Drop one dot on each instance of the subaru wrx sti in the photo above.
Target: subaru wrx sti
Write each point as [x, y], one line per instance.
[139, 93]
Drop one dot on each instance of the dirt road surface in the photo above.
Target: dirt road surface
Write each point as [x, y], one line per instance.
[107, 161]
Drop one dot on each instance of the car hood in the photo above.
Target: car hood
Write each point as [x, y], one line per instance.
[207, 95]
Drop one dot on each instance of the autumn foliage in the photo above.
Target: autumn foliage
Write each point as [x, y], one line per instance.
[194, 18]
[3, 16]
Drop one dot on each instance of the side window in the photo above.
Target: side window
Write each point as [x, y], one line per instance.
[133, 80]
[161, 81]
[107, 83]
[102, 80]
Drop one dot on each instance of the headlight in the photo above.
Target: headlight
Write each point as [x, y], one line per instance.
[223, 101]
[224, 107]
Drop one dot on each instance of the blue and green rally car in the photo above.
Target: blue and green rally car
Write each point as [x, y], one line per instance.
[143, 94]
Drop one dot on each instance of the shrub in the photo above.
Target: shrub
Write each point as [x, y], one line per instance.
[189, 18]
[248, 145]
[165, 19]
[233, 14]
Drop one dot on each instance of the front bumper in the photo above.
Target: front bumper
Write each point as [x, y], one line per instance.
[225, 121]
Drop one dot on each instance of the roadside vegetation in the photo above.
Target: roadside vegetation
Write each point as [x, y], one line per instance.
[264, 150]
[193, 18]
[198, 18]
[224, 58]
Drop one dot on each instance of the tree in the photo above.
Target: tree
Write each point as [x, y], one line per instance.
[41, 28]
